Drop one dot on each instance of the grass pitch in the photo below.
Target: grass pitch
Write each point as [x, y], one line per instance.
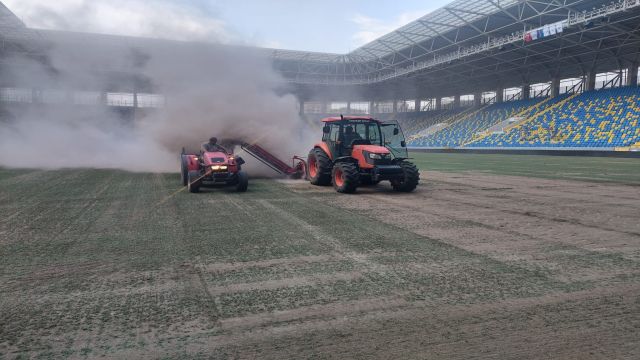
[109, 263]
[620, 170]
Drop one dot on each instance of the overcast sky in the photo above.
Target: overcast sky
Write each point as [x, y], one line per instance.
[313, 25]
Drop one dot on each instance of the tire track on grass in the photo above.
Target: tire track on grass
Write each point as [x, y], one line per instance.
[531, 187]
[538, 215]
[513, 202]
[358, 316]
[535, 239]
[192, 270]
[213, 307]
[397, 202]
[319, 235]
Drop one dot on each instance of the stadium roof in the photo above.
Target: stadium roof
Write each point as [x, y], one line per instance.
[12, 28]
[457, 14]
[9, 19]
[475, 44]
[484, 30]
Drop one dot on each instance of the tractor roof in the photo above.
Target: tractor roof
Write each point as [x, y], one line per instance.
[347, 118]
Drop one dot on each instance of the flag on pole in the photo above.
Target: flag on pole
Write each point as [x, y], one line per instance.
[559, 27]
[534, 35]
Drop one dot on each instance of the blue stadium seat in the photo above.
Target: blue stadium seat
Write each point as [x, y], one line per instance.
[596, 119]
[463, 130]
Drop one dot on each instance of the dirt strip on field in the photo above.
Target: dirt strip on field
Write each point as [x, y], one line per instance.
[574, 230]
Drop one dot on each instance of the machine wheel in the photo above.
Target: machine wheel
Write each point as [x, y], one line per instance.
[319, 167]
[301, 171]
[184, 171]
[345, 178]
[194, 182]
[243, 182]
[410, 180]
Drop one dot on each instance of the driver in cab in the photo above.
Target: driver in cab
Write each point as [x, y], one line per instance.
[212, 146]
[350, 136]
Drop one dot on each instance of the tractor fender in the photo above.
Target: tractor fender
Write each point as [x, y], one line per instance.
[191, 162]
[324, 147]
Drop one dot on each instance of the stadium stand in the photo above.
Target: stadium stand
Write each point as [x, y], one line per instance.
[414, 123]
[464, 128]
[595, 119]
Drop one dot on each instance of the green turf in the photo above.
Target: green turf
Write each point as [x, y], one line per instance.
[114, 254]
[97, 258]
[621, 170]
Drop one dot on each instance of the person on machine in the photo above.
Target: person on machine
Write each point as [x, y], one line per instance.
[350, 136]
[212, 146]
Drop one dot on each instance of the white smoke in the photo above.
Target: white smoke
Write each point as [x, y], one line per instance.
[210, 90]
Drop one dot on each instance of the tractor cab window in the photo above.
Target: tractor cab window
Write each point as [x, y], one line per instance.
[374, 134]
[332, 138]
[331, 133]
[354, 132]
[360, 132]
[394, 139]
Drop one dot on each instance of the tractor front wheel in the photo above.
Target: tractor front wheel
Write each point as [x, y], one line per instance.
[319, 167]
[409, 180]
[345, 177]
[184, 170]
[243, 182]
[194, 181]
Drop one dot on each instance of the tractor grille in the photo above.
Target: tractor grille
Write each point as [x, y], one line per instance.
[384, 161]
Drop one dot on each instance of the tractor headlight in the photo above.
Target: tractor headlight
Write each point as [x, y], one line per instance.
[218, 167]
[373, 158]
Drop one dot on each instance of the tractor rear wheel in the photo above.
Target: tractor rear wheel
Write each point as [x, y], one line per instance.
[319, 167]
[194, 181]
[345, 177]
[243, 182]
[184, 171]
[409, 180]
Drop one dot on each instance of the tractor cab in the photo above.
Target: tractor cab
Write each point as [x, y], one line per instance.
[342, 134]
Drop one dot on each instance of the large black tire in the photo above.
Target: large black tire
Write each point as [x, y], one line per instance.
[345, 177]
[243, 182]
[409, 181]
[184, 170]
[319, 167]
[194, 181]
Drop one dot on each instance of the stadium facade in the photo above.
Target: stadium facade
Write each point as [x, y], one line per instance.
[475, 73]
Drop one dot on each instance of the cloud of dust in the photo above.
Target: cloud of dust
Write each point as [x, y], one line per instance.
[210, 90]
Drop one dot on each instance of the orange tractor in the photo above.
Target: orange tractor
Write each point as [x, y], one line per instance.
[358, 151]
